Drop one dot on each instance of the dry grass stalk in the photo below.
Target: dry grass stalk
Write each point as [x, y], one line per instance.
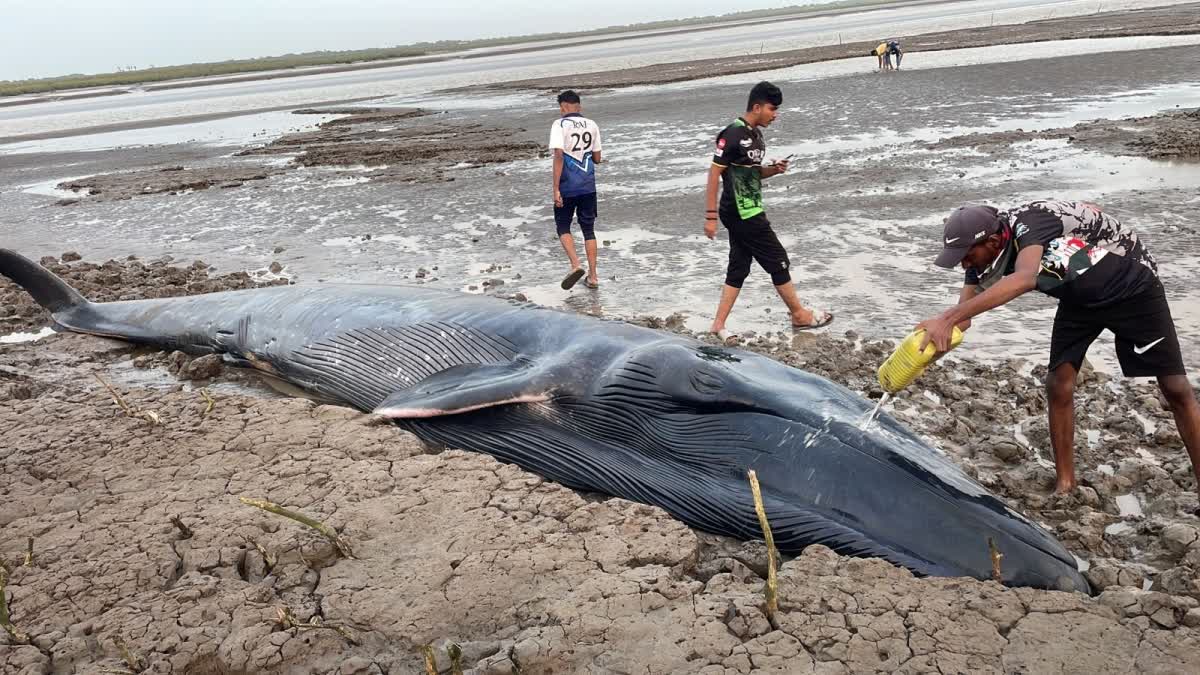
[342, 546]
[131, 659]
[17, 635]
[268, 559]
[772, 588]
[209, 401]
[455, 654]
[287, 620]
[996, 556]
[148, 415]
[184, 530]
[431, 666]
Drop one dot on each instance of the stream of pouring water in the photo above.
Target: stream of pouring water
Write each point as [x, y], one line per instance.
[878, 406]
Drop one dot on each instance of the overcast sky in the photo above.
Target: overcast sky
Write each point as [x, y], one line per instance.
[40, 38]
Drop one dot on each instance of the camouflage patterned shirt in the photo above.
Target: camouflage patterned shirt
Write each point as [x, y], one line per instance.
[1088, 258]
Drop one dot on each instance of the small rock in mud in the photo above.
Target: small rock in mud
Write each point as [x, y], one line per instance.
[1008, 451]
[1179, 537]
[202, 368]
[1105, 573]
[18, 391]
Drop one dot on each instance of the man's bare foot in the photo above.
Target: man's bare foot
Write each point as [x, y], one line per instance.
[1064, 487]
[807, 319]
[726, 336]
[802, 318]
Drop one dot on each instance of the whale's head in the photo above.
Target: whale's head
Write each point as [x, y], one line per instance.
[689, 409]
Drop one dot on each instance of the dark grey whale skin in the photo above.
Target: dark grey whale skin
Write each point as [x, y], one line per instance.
[603, 406]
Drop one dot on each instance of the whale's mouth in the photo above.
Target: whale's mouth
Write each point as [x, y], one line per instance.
[425, 412]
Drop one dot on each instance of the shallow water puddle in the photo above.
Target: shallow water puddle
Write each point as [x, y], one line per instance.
[19, 337]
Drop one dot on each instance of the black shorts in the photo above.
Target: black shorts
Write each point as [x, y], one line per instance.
[585, 206]
[1147, 345]
[753, 238]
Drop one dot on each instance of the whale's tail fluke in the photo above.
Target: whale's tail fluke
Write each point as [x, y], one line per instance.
[46, 288]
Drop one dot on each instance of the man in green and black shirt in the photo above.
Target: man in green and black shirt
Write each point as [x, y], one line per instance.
[738, 164]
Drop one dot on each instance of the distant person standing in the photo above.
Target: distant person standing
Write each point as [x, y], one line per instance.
[738, 166]
[881, 53]
[895, 51]
[575, 141]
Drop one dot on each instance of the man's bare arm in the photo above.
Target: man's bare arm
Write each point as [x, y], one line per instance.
[1021, 281]
[710, 200]
[558, 169]
[968, 291]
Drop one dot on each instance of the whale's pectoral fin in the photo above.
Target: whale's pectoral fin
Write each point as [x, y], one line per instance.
[464, 388]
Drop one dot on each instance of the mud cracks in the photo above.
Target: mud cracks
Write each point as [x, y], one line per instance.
[520, 573]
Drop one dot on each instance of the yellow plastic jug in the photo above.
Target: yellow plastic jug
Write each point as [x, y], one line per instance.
[908, 362]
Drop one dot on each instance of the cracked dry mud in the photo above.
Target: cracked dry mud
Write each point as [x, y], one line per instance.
[519, 572]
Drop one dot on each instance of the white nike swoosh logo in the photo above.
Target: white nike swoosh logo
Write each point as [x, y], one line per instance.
[951, 241]
[1143, 350]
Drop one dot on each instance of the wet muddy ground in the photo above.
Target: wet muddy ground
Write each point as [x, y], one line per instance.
[1168, 135]
[880, 159]
[1172, 20]
[124, 466]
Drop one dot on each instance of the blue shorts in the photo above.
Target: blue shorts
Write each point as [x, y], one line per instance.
[585, 207]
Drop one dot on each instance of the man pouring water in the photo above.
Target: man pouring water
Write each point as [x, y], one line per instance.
[1104, 278]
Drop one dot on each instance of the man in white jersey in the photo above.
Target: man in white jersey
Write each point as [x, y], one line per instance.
[575, 141]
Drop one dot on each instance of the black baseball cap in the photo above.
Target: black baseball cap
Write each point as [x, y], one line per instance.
[965, 227]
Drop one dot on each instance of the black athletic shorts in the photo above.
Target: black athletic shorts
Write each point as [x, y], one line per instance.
[585, 206]
[1147, 345]
[753, 239]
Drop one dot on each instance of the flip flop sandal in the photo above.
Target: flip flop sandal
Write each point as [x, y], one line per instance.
[728, 338]
[820, 319]
[572, 279]
[593, 284]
